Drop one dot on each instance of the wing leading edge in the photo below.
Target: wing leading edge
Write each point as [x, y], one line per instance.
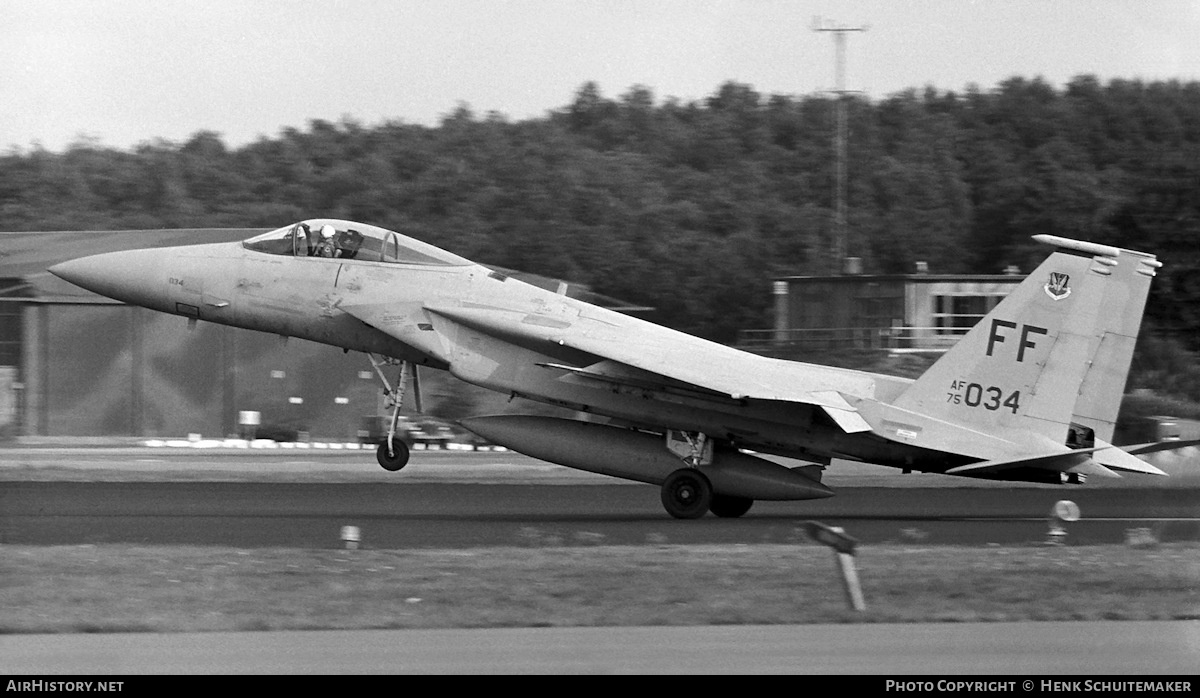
[664, 353]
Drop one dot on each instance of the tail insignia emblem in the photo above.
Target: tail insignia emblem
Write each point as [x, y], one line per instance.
[1058, 287]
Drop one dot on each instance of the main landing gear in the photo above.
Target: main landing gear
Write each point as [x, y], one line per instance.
[687, 492]
[728, 506]
[392, 454]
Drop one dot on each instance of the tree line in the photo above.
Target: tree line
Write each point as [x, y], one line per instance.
[692, 207]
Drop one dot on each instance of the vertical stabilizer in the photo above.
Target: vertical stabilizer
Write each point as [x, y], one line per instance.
[1121, 320]
[1054, 353]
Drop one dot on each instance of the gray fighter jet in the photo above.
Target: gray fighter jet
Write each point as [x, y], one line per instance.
[1031, 393]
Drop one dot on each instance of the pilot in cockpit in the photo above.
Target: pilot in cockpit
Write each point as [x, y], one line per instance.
[327, 245]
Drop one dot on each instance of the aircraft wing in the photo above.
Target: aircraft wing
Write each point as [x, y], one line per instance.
[660, 354]
[615, 373]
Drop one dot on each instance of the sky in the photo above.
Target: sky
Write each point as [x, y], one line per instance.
[125, 72]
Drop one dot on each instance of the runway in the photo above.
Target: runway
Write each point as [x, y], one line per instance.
[455, 499]
[462, 500]
[1097, 651]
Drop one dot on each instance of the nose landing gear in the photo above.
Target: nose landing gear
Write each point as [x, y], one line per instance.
[393, 458]
[392, 454]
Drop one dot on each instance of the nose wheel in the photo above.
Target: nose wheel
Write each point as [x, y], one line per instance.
[392, 453]
[393, 458]
[687, 494]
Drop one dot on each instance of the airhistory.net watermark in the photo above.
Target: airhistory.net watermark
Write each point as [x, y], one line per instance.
[36, 685]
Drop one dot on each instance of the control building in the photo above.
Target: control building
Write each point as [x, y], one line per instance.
[917, 312]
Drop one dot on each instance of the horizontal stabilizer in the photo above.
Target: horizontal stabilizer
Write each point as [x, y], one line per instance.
[1156, 446]
[1073, 461]
[1118, 459]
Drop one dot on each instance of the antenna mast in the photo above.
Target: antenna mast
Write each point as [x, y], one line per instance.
[841, 134]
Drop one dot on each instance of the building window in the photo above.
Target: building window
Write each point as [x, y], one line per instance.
[879, 311]
[956, 314]
[10, 334]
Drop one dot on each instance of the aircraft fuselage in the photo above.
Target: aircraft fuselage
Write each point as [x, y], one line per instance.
[1031, 393]
[314, 298]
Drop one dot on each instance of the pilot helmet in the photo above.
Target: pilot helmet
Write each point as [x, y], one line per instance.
[327, 231]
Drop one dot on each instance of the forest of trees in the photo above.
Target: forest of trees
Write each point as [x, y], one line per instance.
[693, 207]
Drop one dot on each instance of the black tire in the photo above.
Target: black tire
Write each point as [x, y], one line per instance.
[397, 460]
[729, 507]
[686, 494]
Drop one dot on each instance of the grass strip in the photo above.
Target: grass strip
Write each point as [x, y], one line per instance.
[115, 588]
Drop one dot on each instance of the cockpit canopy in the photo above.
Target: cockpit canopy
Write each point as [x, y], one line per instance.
[332, 238]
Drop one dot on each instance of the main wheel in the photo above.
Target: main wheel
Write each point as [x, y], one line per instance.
[398, 458]
[729, 507]
[686, 494]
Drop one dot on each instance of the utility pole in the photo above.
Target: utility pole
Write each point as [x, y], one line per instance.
[840, 136]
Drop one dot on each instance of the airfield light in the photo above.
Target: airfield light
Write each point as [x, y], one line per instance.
[350, 537]
[249, 421]
[1140, 538]
[1065, 511]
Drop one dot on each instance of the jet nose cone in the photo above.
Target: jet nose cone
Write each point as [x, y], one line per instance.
[125, 276]
[97, 273]
[78, 271]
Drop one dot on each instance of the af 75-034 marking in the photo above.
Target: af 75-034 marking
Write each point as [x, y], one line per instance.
[662, 407]
[975, 395]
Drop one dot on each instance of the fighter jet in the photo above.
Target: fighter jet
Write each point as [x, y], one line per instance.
[1030, 393]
